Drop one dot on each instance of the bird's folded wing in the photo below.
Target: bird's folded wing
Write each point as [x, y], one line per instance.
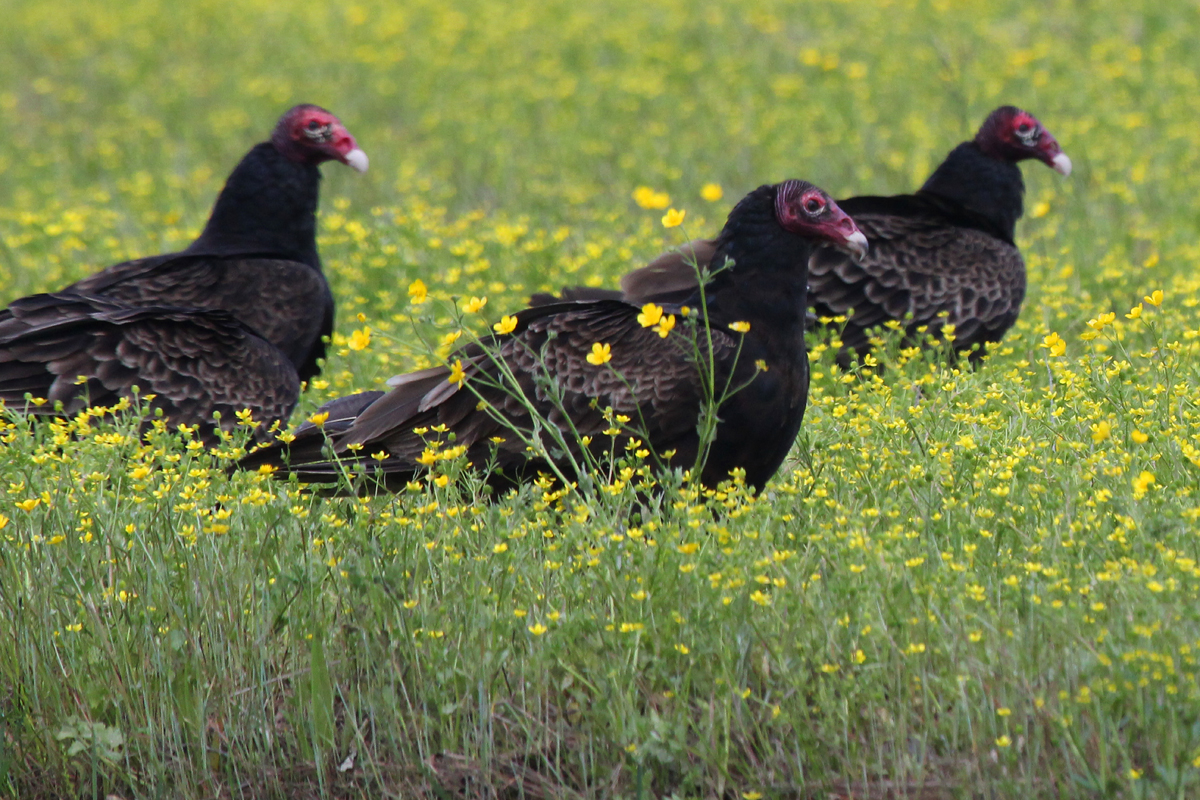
[541, 372]
[257, 291]
[921, 266]
[286, 302]
[91, 351]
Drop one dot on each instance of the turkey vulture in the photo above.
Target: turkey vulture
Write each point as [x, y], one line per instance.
[945, 254]
[570, 362]
[250, 290]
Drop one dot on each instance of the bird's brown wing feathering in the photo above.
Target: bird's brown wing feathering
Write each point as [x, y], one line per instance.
[83, 351]
[650, 379]
[922, 266]
[287, 302]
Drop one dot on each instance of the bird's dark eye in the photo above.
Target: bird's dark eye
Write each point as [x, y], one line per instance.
[317, 132]
[813, 205]
[1028, 133]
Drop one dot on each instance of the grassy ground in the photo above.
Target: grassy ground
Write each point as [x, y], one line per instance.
[962, 584]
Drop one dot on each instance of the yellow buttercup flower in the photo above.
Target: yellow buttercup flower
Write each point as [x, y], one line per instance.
[1055, 344]
[601, 354]
[457, 373]
[740, 327]
[360, 339]
[673, 218]
[650, 315]
[417, 292]
[711, 192]
[665, 325]
[646, 197]
[474, 305]
[507, 324]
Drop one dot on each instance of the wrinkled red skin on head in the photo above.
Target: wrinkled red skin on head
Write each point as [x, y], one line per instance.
[806, 210]
[1000, 137]
[311, 135]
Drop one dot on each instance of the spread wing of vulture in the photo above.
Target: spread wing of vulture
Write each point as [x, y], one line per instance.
[554, 363]
[254, 269]
[945, 254]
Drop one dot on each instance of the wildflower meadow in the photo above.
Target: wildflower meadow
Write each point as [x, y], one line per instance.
[964, 582]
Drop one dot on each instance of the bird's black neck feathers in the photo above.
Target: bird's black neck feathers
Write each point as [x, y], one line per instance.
[986, 188]
[768, 279]
[267, 208]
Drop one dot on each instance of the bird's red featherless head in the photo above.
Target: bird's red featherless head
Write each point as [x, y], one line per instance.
[808, 211]
[311, 135]
[1011, 134]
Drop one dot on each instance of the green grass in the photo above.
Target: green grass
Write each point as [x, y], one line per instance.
[961, 584]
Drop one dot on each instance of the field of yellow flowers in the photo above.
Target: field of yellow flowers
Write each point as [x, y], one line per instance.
[963, 583]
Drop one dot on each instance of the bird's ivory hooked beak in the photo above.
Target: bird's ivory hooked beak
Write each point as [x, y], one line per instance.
[358, 160]
[856, 244]
[1061, 164]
